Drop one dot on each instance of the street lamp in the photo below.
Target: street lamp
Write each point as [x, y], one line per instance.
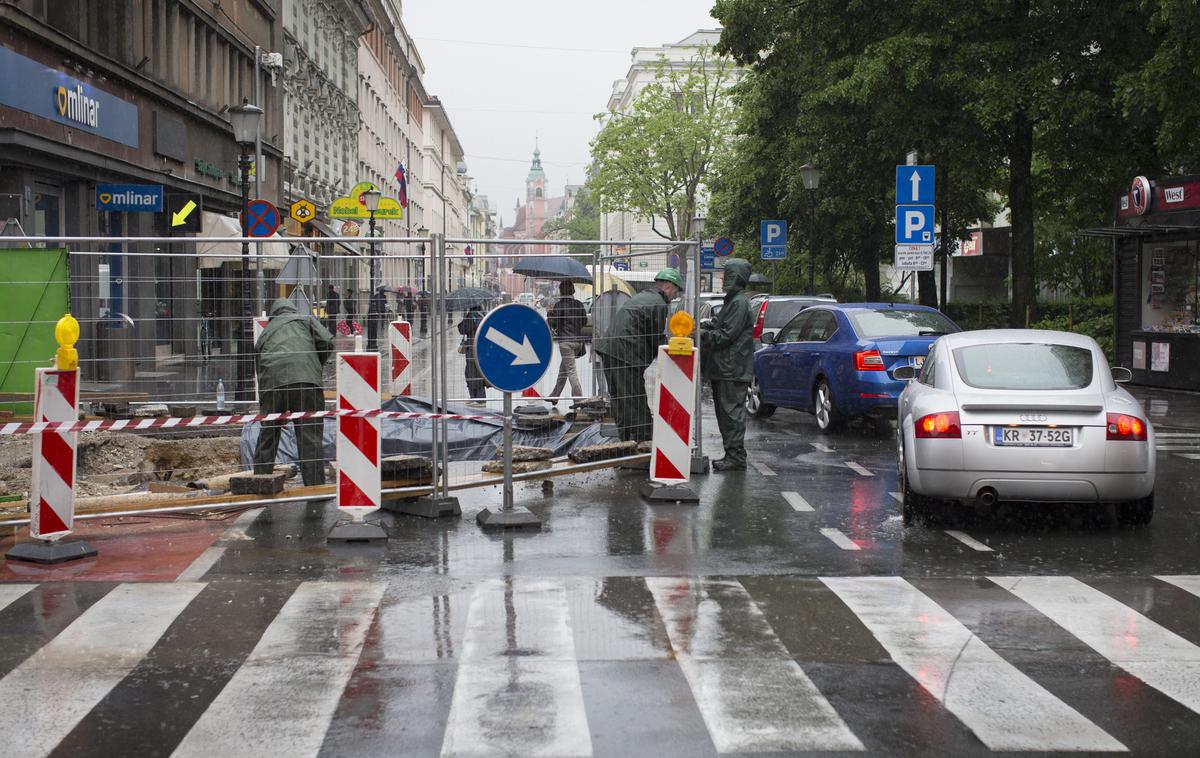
[371, 201]
[810, 174]
[244, 119]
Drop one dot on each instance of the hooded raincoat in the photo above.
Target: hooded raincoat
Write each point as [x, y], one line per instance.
[727, 349]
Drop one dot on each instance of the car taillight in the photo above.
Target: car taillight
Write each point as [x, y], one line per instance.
[1128, 428]
[939, 426]
[762, 317]
[868, 360]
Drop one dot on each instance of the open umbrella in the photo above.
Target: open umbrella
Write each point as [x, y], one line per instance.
[404, 290]
[460, 300]
[759, 279]
[557, 267]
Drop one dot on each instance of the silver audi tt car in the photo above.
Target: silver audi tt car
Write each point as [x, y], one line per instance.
[1022, 415]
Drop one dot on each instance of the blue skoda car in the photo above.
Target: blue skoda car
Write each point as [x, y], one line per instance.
[836, 361]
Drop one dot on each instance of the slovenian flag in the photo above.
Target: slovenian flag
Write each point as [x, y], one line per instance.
[402, 180]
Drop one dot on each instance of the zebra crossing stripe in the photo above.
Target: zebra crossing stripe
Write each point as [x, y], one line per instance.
[837, 537]
[763, 468]
[729, 679]
[12, 592]
[1152, 653]
[1003, 707]
[206, 560]
[858, 469]
[281, 700]
[1188, 583]
[51, 691]
[797, 502]
[968, 540]
[518, 649]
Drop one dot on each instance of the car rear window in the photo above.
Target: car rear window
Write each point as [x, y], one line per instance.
[779, 312]
[891, 322]
[1024, 366]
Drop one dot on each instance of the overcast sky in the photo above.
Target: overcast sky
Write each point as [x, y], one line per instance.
[509, 71]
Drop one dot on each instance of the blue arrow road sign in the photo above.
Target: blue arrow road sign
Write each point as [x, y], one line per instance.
[914, 185]
[512, 347]
[914, 224]
[773, 240]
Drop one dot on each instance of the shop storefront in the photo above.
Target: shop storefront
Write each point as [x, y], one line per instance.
[1156, 276]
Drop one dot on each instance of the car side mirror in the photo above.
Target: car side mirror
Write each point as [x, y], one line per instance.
[768, 338]
[905, 373]
[1120, 374]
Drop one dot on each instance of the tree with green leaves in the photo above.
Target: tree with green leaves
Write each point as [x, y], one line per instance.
[654, 159]
[580, 222]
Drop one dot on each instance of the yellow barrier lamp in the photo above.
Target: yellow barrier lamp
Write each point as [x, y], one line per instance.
[681, 326]
[66, 331]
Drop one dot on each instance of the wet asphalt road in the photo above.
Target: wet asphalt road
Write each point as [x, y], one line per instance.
[788, 613]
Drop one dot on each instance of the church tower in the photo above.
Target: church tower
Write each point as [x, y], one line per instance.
[535, 198]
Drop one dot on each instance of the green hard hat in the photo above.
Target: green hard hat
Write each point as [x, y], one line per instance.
[669, 275]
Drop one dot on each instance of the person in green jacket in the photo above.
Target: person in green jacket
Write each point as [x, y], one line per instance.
[629, 346]
[289, 356]
[727, 352]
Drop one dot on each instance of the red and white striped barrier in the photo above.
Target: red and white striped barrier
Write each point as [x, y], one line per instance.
[675, 390]
[52, 490]
[400, 339]
[358, 447]
[134, 425]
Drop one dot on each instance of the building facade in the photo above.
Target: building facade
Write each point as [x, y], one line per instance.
[133, 92]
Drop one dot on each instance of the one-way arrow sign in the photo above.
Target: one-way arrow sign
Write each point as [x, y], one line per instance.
[513, 347]
[914, 185]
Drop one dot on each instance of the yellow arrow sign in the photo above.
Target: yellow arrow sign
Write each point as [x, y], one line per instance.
[179, 217]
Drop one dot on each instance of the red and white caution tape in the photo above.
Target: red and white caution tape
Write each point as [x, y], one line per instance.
[185, 423]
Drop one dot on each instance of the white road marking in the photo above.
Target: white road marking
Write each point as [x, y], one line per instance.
[899, 498]
[841, 540]
[9, 593]
[1173, 448]
[53, 689]
[858, 469]
[752, 695]
[518, 649]
[1189, 583]
[206, 560]
[822, 447]
[1189, 456]
[1003, 707]
[763, 468]
[797, 502]
[968, 540]
[1177, 435]
[1152, 653]
[281, 700]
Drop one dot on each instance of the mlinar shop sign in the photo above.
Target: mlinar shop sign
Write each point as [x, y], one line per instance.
[133, 198]
[35, 87]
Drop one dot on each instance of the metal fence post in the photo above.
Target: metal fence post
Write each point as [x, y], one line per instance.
[699, 459]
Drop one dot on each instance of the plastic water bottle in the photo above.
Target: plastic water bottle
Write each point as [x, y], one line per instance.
[220, 394]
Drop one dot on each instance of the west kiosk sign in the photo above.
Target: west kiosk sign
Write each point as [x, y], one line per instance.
[34, 87]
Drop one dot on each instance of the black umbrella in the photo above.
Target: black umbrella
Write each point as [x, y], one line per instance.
[759, 279]
[557, 267]
[460, 300]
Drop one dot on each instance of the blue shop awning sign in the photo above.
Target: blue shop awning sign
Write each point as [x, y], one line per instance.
[132, 198]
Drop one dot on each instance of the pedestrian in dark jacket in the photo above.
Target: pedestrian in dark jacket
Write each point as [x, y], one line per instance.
[376, 315]
[630, 345]
[567, 319]
[476, 387]
[289, 356]
[727, 348]
[350, 309]
[333, 306]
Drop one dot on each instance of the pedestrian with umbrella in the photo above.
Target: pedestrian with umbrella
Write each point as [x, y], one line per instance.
[567, 318]
[476, 387]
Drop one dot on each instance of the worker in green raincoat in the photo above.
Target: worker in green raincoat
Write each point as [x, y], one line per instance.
[289, 356]
[630, 345]
[727, 350]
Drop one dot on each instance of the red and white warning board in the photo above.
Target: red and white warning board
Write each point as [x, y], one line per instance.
[675, 392]
[52, 492]
[400, 339]
[358, 447]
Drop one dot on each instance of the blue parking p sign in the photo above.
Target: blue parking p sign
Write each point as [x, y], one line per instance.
[914, 224]
[773, 240]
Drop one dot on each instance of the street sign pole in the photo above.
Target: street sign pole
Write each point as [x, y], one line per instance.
[508, 472]
[699, 459]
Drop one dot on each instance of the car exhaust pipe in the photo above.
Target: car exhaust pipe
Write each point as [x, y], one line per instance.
[986, 497]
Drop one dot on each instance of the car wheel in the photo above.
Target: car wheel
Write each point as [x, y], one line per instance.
[754, 403]
[911, 504]
[1136, 512]
[826, 412]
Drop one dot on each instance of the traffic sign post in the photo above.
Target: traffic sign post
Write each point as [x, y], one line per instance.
[914, 224]
[708, 259]
[915, 196]
[722, 247]
[303, 211]
[914, 257]
[773, 240]
[915, 185]
[512, 350]
[262, 218]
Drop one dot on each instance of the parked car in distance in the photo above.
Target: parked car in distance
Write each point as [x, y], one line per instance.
[836, 361]
[1023, 415]
[773, 311]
